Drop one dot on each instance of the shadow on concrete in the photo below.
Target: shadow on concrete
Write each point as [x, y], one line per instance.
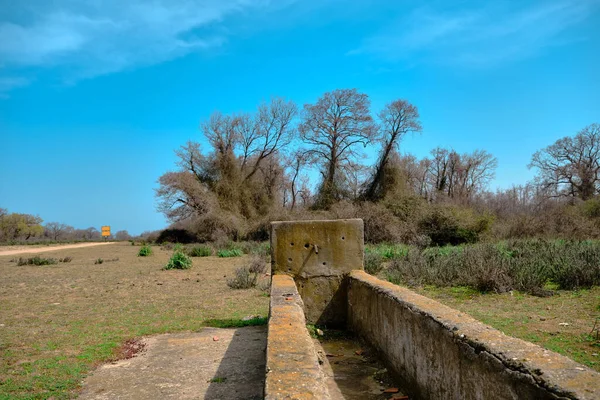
[241, 372]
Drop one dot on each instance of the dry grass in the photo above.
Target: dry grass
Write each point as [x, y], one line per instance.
[59, 321]
[534, 319]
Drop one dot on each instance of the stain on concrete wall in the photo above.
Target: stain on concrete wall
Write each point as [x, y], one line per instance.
[318, 255]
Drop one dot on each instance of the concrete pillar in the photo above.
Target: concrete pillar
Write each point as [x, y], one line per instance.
[318, 255]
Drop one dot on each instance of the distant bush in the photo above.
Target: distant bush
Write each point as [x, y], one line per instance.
[37, 260]
[454, 226]
[255, 248]
[179, 261]
[229, 253]
[99, 261]
[145, 251]
[65, 259]
[176, 236]
[199, 251]
[244, 279]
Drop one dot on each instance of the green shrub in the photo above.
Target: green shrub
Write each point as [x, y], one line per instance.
[229, 253]
[99, 261]
[373, 262]
[145, 251]
[37, 260]
[199, 251]
[179, 261]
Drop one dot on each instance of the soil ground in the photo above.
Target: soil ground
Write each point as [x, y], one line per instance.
[212, 364]
[14, 250]
[58, 322]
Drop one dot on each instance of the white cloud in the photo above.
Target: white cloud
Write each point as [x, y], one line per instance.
[478, 37]
[98, 37]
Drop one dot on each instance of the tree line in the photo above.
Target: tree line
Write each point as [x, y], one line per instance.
[257, 168]
[19, 227]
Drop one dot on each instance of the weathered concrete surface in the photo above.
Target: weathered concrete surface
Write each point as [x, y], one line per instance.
[441, 353]
[293, 370]
[318, 254]
[181, 366]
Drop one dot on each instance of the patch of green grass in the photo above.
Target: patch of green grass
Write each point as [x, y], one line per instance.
[218, 379]
[199, 251]
[224, 253]
[533, 318]
[236, 323]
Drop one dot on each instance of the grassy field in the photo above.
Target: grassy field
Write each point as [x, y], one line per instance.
[535, 319]
[59, 321]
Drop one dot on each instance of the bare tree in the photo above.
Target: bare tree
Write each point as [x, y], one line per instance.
[56, 230]
[571, 166]
[459, 176]
[264, 135]
[295, 163]
[333, 127]
[122, 235]
[398, 118]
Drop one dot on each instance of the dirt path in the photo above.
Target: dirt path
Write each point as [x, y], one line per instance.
[211, 364]
[25, 250]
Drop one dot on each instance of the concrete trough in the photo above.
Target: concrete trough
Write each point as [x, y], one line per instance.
[436, 352]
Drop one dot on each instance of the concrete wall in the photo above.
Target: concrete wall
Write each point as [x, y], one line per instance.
[441, 353]
[293, 370]
[318, 255]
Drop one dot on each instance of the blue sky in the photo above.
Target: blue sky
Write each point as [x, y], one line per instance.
[95, 95]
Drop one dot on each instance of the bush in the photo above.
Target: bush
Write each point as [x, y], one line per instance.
[65, 259]
[179, 261]
[244, 279]
[373, 262]
[454, 226]
[37, 260]
[99, 261]
[257, 265]
[199, 251]
[176, 236]
[229, 253]
[145, 251]
[256, 248]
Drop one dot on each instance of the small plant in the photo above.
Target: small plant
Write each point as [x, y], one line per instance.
[218, 379]
[37, 260]
[99, 261]
[244, 279]
[65, 259]
[145, 251]
[229, 253]
[179, 261]
[200, 251]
